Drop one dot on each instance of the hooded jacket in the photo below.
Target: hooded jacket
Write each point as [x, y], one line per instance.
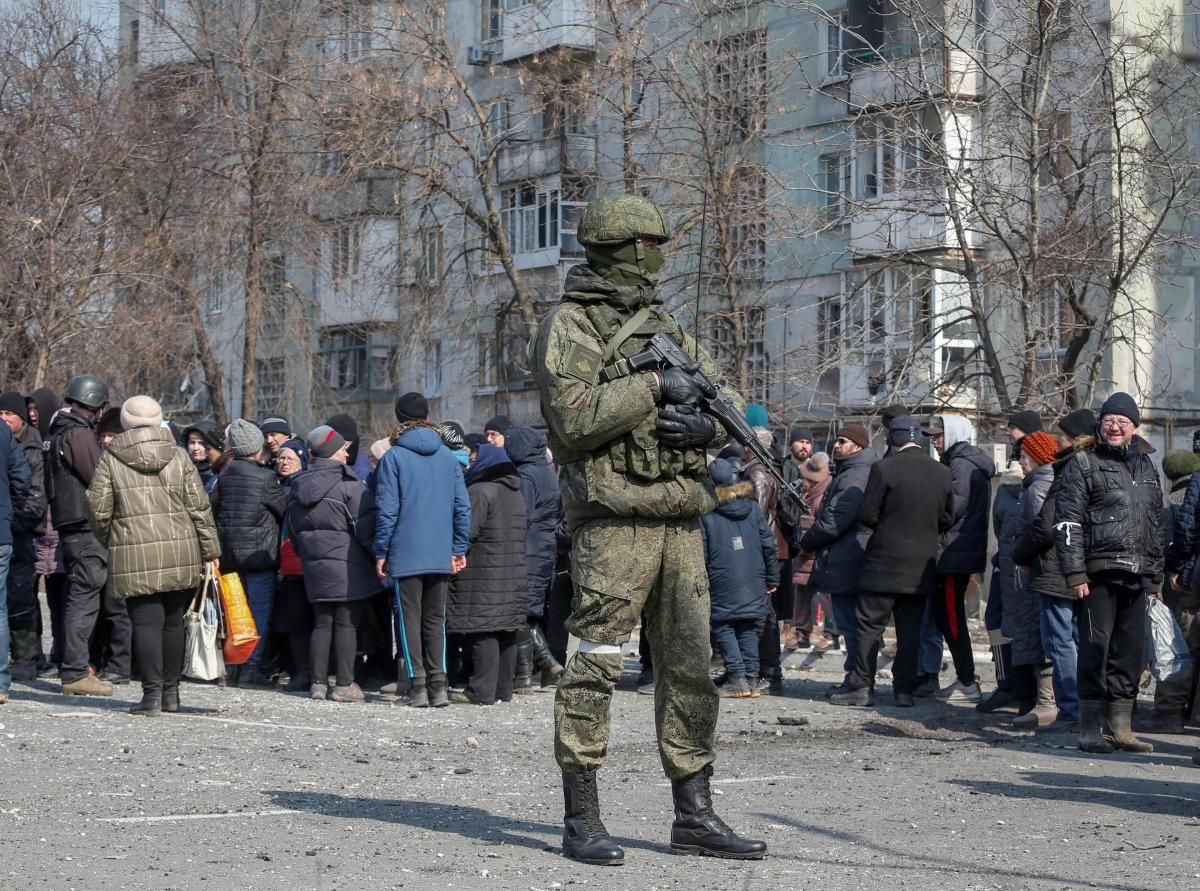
[739, 553]
[148, 507]
[836, 536]
[490, 594]
[70, 464]
[331, 524]
[424, 515]
[965, 544]
[248, 505]
[47, 403]
[603, 433]
[1109, 513]
[526, 449]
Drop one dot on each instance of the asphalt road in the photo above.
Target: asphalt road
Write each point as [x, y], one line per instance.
[260, 790]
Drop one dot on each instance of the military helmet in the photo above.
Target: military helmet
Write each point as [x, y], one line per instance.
[615, 219]
[86, 390]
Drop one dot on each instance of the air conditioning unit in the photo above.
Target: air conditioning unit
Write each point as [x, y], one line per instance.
[478, 56]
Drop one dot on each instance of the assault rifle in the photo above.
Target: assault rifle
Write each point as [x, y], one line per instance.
[664, 352]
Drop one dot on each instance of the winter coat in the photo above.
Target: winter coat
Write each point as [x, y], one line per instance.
[331, 524]
[1005, 518]
[1181, 551]
[766, 493]
[908, 504]
[147, 506]
[248, 505]
[424, 513]
[1034, 546]
[29, 514]
[1022, 616]
[836, 535]
[71, 460]
[739, 552]
[802, 568]
[965, 546]
[490, 594]
[526, 450]
[15, 483]
[1109, 513]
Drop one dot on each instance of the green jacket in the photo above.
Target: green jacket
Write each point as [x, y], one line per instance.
[602, 434]
[149, 509]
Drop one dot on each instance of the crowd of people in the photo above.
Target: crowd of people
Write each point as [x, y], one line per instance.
[435, 566]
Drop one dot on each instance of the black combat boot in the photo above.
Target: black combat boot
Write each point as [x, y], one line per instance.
[170, 699]
[523, 678]
[543, 658]
[439, 691]
[697, 830]
[150, 706]
[584, 837]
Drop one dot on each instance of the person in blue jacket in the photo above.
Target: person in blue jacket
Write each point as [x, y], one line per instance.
[743, 569]
[422, 530]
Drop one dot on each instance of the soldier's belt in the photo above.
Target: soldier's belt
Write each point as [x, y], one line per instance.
[620, 368]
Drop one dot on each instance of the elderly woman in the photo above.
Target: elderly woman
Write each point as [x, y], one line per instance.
[292, 458]
[816, 475]
[331, 518]
[149, 509]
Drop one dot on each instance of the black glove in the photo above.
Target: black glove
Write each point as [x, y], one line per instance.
[676, 387]
[682, 427]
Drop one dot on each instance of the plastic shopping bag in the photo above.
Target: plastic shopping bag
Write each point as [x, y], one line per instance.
[202, 626]
[241, 637]
[1166, 648]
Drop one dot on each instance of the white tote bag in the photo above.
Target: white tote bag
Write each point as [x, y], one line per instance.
[202, 625]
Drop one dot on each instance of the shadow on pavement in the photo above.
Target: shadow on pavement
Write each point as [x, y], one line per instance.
[903, 858]
[1158, 797]
[463, 820]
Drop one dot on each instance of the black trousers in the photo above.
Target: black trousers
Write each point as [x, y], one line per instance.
[950, 614]
[1112, 638]
[336, 625]
[770, 656]
[158, 637]
[493, 657]
[421, 624]
[22, 585]
[873, 610]
[87, 571]
[299, 622]
[56, 598]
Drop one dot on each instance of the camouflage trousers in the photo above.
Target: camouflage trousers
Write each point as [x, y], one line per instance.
[622, 568]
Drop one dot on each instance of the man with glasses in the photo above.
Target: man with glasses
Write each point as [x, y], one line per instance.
[1108, 525]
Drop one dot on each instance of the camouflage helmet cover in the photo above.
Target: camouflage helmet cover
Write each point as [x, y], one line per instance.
[615, 219]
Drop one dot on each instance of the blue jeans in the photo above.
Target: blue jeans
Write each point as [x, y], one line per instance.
[737, 641]
[6, 552]
[929, 662]
[844, 608]
[1059, 636]
[260, 595]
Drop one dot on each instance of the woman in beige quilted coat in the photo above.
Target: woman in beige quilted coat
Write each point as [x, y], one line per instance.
[148, 507]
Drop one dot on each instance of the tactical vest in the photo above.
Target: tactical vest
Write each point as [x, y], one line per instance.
[65, 492]
[639, 454]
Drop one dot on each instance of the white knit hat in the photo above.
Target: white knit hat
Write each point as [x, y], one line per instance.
[141, 411]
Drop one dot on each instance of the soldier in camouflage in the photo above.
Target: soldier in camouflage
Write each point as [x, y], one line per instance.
[634, 485]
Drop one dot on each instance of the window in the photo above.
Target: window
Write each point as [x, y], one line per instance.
[493, 19]
[431, 255]
[485, 349]
[271, 377]
[835, 185]
[433, 369]
[834, 46]
[740, 82]
[738, 345]
[637, 101]
[344, 252]
[510, 5]
[829, 327]
[887, 319]
[898, 152]
[530, 218]
[748, 228]
[134, 35]
[1055, 137]
[500, 118]
[353, 358]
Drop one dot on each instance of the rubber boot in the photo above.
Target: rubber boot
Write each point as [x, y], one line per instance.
[1091, 735]
[1170, 722]
[1045, 711]
[439, 691]
[170, 699]
[1024, 687]
[698, 830]
[1120, 715]
[150, 706]
[584, 837]
[543, 658]
[523, 678]
[24, 664]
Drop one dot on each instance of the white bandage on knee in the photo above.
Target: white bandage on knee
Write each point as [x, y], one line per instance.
[589, 646]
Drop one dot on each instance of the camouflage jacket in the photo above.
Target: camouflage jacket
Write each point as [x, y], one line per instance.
[602, 434]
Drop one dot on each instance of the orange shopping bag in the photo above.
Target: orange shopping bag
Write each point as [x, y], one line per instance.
[241, 637]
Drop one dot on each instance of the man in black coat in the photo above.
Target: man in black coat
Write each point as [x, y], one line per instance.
[1108, 524]
[909, 503]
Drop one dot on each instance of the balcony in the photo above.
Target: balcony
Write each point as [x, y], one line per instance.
[540, 158]
[535, 28]
[899, 73]
[894, 226]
